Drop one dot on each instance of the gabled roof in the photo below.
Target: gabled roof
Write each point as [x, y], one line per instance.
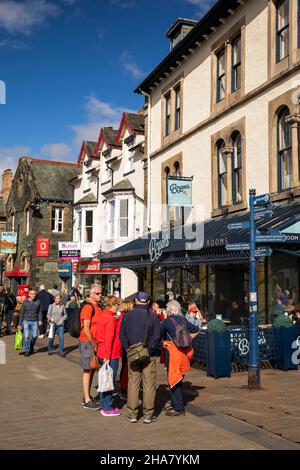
[109, 136]
[134, 123]
[52, 178]
[124, 185]
[88, 199]
[2, 208]
[220, 11]
[88, 147]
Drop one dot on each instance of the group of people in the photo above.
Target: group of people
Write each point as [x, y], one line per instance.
[111, 328]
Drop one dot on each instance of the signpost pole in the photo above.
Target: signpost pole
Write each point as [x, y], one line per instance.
[254, 367]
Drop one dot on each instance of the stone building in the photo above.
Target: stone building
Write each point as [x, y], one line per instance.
[6, 187]
[39, 206]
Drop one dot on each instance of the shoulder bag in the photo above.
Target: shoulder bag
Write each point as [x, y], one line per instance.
[138, 353]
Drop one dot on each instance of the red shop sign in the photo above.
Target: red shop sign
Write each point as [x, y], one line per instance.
[92, 267]
[42, 247]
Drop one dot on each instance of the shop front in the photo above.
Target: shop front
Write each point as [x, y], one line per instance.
[88, 271]
[170, 266]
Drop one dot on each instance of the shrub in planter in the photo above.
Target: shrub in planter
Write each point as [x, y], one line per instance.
[285, 334]
[218, 349]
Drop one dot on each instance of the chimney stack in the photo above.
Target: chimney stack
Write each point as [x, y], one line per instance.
[7, 177]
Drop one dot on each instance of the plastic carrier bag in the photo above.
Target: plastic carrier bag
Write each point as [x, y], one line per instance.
[18, 340]
[105, 379]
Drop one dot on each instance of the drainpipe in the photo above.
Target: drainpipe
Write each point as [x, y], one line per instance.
[149, 219]
[112, 173]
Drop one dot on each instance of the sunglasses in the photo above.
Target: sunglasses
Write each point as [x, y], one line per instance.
[97, 293]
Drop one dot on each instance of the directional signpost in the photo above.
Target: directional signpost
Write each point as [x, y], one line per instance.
[239, 226]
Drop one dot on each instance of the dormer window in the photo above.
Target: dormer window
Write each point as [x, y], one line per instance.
[129, 140]
[106, 153]
[179, 30]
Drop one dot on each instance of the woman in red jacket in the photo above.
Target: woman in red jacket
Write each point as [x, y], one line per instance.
[109, 349]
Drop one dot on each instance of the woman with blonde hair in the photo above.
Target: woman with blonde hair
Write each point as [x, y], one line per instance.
[109, 349]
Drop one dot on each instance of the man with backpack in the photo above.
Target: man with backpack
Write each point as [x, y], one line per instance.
[177, 334]
[140, 335]
[89, 314]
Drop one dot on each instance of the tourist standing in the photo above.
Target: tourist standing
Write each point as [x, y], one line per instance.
[57, 316]
[45, 299]
[30, 318]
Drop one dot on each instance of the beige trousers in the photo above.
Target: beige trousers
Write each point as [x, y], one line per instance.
[144, 373]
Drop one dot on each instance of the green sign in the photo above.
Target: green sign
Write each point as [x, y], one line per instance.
[179, 191]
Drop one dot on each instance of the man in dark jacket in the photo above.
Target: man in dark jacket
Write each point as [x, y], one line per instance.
[11, 303]
[3, 306]
[30, 316]
[134, 326]
[45, 299]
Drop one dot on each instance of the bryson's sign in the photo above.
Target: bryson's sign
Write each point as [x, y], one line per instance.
[179, 191]
[157, 246]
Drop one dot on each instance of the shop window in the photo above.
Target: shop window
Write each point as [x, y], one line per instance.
[89, 227]
[237, 168]
[123, 219]
[57, 215]
[222, 174]
[284, 151]
[79, 225]
[236, 73]
[282, 30]
[221, 75]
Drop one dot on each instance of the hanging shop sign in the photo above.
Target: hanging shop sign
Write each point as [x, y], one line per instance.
[156, 247]
[65, 270]
[42, 247]
[8, 242]
[68, 250]
[179, 191]
[92, 267]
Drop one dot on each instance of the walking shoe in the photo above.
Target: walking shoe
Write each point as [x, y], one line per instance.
[150, 420]
[175, 413]
[62, 354]
[41, 336]
[132, 419]
[91, 406]
[112, 412]
[168, 406]
[50, 353]
[27, 354]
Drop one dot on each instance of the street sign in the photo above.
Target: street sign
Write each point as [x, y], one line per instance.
[263, 208]
[270, 238]
[263, 215]
[239, 226]
[259, 200]
[263, 252]
[238, 247]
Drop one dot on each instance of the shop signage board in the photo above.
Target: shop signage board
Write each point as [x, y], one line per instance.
[65, 270]
[157, 247]
[68, 250]
[92, 267]
[8, 242]
[179, 191]
[42, 247]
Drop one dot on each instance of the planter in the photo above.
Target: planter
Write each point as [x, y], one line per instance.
[218, 354]
[284, 339]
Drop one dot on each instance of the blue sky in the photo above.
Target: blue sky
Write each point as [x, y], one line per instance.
[70, 67]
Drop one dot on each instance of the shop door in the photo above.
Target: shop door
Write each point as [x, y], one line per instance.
[230, 286]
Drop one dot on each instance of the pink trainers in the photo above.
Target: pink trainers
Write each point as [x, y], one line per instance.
[112, 412]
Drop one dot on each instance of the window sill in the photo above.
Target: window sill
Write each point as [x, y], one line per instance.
[229, 209]
[105, 182]
[283, 195]
[128, 173]
[86, 191]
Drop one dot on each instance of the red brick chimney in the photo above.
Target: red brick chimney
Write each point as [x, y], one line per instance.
[7, 177]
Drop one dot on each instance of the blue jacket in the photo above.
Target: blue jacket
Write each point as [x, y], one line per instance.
[133, 329]
[45, 299]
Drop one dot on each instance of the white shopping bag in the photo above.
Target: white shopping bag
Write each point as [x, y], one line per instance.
[51, 331]
[105, 379]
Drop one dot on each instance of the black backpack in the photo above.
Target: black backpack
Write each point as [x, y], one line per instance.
[74, 324]
[183, 338]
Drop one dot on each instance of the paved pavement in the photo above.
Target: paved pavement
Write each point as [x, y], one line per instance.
[40, 408]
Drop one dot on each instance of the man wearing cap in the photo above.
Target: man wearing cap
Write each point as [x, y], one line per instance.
[133, 328]
[192, 315]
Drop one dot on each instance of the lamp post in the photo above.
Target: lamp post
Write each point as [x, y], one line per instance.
[254, 366]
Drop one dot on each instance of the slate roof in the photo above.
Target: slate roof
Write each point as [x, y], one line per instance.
[52, 179]
[2, 208]
[110, 135]
[124, 185]
[90, 147]
[136, 121]
[88, 199]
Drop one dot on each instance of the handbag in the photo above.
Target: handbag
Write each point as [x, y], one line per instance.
[137, 353]
[18, 340]
[51, 331]
[105, 379]
[95, 364]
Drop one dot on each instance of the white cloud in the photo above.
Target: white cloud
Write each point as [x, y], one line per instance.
[9, 156]
[130, 67]
[122, 3]
[58, 151]
[23, 17]
[98, 114]
[202, 6]
[12, 44]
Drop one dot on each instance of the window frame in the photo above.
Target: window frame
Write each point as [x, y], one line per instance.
[282, 30]
[220, 147]
[177, 109]
[283, 113]
[237, 170]
[219, 76]
[120, 218]
[236, 67]
[86, 227]
[57, 220]
[168, 108]
[111, 219]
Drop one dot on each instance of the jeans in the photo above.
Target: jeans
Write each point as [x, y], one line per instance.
[176, 393]
[60, 331]
[8, 318]
[106, 397]
[30, 326]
